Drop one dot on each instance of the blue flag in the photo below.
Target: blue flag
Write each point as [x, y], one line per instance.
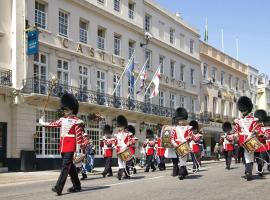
[130, 74]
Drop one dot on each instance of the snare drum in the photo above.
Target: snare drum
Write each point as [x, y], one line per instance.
[125, 155]
[183, 149]
[78, 157]
[252, 144]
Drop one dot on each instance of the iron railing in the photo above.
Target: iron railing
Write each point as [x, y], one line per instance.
[5, 77]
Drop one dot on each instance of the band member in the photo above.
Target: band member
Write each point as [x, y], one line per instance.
[160, 153]
[180, 134]
[106, 144]
[123, 140]
[149, 145]
[244, 128]
[194, 144]
[266, 130]
[71, 132]
[227, 141]
[132, 148]
[261, 153]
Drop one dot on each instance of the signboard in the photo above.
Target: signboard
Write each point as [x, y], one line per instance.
[32, 47]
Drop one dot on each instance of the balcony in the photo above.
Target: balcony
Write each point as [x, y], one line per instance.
[5, 77]
[131, 14]
[37, 86]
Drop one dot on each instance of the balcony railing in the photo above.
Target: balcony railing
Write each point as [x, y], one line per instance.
[5, 77]
[83, 35]
[33, 85]
[101, 43]
[131, 14]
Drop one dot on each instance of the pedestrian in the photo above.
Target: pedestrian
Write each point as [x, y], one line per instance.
[217, 151]
[71, 133]
[149, 145]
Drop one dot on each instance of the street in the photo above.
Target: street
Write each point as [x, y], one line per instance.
[213, 182]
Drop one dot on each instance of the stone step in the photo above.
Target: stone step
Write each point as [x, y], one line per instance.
[3, 169]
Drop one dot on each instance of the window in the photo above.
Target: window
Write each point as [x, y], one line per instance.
[191, 46]
[116, 78]
[83, 31]
[40, 15]
[251, 79]
[63, 23]
[230, 109]
[205, 71]
[131, 48]
[131, 8]
[116, 5]
[161, 98]
[83, 77]
[63, 71]
[101, 1]
[182, 41]
[192, 105]
[222, 78]
[192, 81]
[206, 98]
[117, 44]
[222, 107]
[100, 82]
[172, 36]
[230, 81]
[40, 72]
[161, 30]
[172, 63]
[147, 97]
[255, 81]
[147, 23]
[243, 85]
[214, 71]
[161, 62]
[237, 84]
[182, 101]
[148, 54]
[101, 39]
[182, 70]
[214, 105]
[172, 100]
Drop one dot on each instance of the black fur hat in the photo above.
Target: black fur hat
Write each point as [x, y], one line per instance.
[107, 129]
[121, 121]
[260, 115]
[131, 129]
[244, 104]
[149, 133]
[267, 121]
[180, 114]
[68, 101]
[194, 124]
[226, 127]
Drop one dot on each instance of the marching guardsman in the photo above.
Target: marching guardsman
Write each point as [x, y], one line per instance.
[123, 140]
[266, 130]
[244, 128]
[132, 148]
[261, 153]
[194, 144]
[227, 141]
[180, 134]
[106, 144]
[160, 153]
[71, 133]
[149, 145]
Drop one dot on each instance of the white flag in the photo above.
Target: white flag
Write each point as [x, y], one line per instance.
[156, 83]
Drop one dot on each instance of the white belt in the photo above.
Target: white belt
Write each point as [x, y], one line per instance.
[67, 135]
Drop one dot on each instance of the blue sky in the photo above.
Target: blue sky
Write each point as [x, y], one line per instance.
[247, 20]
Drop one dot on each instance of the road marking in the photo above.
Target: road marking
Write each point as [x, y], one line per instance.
[127, 182]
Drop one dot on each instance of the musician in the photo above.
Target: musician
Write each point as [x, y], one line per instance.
[132, 148]
[149, 145]
[122, 141]
[266, 130]
[194, 144]
[226, 141]
[71, 132]
[244, 128]
[180, 134]
[106, 144]
[160, 153]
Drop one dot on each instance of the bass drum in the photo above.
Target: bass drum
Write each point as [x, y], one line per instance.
[166, 132]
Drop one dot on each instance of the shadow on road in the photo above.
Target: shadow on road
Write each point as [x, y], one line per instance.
[137, 177]
[85, 189]
[194, 176]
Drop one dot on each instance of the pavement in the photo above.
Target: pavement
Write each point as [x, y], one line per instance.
[16, 178]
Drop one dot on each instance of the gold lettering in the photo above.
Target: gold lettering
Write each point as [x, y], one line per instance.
[101, 55]
[65, 42]
[79, 48]
[92, 52]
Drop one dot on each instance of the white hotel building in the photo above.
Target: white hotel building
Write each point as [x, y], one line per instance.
[86, 45]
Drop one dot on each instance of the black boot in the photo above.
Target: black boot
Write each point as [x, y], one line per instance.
[84, 176]
[57, 190]
[74, 189]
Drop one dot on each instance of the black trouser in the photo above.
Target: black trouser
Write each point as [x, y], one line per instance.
[68, 168]
[108, 166]
[260, 157]
[161, 165]
[183, 171]
[228, 158]
[129, 164]
[241, 155]
[175, 162]
[248, 168]
[195, 159]
[150, 163]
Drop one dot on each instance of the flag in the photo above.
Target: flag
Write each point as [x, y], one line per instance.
[156, 80]
[130, 74]
[206, 32]
[143, 77]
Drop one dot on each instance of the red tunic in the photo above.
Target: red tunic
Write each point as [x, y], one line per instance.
[122, 140]
[150, 147]
[195, 142]
[181, 134]
[106, 145]
[132, 146]
[227, 141]
[160, 149]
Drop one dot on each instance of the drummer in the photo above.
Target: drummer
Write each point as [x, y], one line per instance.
[123, 140]
[266, 130]
[244, 128]
[181, 133]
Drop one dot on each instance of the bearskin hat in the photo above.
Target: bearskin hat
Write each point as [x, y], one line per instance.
[68, 101]
[194, 124]
[107, 129]
[180, 114]
[267, 121]
[149, 133]
[226, 127]
[244, 104]
[121, 121]
[131, 129]
[260, 115]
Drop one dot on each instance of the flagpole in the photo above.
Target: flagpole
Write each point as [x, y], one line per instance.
[152, 80]
[123, 73]
[139, 76]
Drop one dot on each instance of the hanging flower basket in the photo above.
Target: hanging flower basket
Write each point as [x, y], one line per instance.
[95, 117]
